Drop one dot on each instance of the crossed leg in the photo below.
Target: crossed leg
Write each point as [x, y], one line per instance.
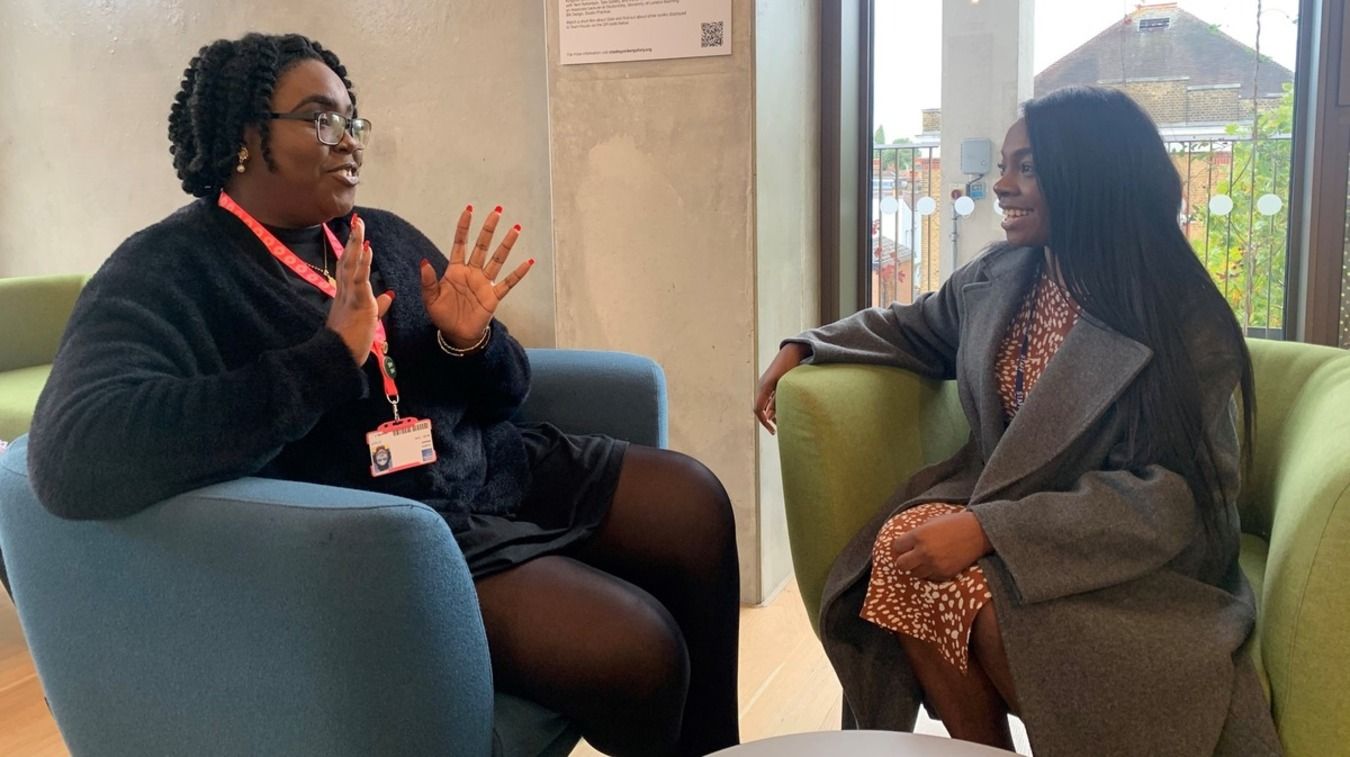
[634, 635]
[599, 650]
[973, 706]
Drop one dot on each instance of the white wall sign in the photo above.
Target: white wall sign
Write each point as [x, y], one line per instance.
[608, 31]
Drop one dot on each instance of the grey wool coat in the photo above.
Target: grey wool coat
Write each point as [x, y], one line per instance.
[1123, 620]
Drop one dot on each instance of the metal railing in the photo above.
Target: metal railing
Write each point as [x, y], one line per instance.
[1234, 212]
[906, 227]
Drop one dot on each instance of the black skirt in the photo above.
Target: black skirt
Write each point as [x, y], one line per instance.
[572, 481]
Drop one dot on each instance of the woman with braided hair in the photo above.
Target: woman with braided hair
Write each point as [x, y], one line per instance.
[254, 332]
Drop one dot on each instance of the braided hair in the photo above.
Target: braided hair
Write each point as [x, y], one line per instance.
[227, 87]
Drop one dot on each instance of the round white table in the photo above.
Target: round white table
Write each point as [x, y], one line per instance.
[860, 744]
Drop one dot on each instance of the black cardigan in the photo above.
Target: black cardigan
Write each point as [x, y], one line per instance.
[190, 360]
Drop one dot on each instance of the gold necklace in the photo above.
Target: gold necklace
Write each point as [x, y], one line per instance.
[331, 281]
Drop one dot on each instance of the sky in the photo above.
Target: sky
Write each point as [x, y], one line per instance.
[1060, 27]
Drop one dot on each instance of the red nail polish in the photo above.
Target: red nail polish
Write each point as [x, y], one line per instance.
[423, 264]
[366, 244]
[469, 208]
[516, 227]
[497, 209]
[391, 295]
[531, 261]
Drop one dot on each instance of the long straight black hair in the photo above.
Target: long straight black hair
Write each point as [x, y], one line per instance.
[1114, 195]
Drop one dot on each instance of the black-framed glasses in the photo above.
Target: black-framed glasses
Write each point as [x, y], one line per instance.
[329, 126]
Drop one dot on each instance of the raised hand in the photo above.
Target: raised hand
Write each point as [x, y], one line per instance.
[461, 303]
[356, 310]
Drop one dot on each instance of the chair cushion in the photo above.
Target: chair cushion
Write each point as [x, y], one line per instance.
[598, 392]
[36, 309]
[19, 390]
[1252, 560]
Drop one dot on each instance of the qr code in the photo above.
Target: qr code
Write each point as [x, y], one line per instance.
[712, 34]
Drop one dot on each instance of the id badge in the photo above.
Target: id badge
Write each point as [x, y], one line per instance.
[399, 445]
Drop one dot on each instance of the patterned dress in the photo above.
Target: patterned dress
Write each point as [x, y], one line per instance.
[944, 613]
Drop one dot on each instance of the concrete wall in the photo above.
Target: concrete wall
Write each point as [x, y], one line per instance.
[787, 225]
[456, 92]
[986, 74]
[653, 207]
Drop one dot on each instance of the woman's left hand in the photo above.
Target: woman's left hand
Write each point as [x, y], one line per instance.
[941, 548]
[461, 303]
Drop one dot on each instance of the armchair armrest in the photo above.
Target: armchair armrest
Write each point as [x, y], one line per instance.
[598, 392]
[1301, 493]
[272, 617]
[848, 437]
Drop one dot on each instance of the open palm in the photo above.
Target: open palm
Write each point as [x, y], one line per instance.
[462, 302]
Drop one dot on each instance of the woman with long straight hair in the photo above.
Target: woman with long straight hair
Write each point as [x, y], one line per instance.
[1075, 563]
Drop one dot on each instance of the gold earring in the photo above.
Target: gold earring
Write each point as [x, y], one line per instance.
[243, 158]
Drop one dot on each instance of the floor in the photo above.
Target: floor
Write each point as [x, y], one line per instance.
[786, 685]
[26, 728]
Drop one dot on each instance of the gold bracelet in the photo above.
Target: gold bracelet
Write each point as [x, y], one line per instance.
[454, 351]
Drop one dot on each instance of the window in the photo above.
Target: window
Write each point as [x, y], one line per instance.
[1216, 75]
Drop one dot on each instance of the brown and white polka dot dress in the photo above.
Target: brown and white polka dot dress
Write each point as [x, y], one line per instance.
[943, 613]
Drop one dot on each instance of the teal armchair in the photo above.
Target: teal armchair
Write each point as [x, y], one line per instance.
[849, 435]
[274, 617]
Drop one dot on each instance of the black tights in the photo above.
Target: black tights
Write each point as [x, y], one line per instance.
[634, 635]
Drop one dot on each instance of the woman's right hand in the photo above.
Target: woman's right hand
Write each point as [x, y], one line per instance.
[356, 310]
[792, 354]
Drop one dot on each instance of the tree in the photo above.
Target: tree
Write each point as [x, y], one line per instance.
[892, 156]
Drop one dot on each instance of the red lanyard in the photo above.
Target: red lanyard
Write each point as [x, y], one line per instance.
[379, 348]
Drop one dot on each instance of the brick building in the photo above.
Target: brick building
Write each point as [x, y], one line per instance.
[1190, 76]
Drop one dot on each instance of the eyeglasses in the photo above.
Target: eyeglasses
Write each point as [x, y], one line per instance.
[329, 126]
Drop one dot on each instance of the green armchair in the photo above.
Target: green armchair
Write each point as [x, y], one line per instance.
[849, 435]
[34, 311]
